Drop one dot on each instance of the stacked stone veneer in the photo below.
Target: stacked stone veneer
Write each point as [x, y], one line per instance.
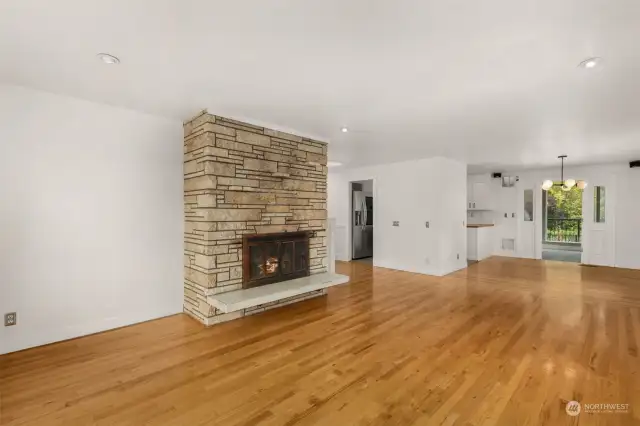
[245, 179]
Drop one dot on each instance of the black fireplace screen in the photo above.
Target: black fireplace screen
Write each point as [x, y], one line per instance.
[269, 258]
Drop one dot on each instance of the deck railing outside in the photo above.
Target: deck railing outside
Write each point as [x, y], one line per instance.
[564, 230]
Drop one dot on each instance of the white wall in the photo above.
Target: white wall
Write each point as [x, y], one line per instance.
[411, 193]
[334, 208]
[367, 187]
[622, 230]
[90, 217]
[451, 184]
[481, 217]
[628, 219]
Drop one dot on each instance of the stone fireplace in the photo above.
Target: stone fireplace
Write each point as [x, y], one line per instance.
[244, 182]
[271, 258]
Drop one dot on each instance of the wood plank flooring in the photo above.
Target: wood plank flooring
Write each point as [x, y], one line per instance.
[504, 342]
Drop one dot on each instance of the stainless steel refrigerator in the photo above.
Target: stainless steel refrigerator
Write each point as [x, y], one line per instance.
[362, 217]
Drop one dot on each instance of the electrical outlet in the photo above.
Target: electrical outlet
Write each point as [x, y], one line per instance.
[426, 224]
[10, 319]
[458, 256]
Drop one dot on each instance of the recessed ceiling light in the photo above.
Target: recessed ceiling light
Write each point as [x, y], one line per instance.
[590, 63]
[344, 130]
[333, 164]
[108, 59]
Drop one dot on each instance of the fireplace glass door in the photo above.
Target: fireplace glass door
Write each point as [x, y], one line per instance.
[286, 258]
[269, 258]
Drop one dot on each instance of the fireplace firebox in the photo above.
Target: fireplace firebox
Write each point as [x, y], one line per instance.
[270, 258]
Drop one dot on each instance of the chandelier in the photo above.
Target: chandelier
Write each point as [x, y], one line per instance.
[565, 184]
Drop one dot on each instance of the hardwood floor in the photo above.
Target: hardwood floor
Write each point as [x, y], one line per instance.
[505, 342]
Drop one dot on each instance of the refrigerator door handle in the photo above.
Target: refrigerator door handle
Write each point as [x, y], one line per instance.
[364, 210]
[366, 213]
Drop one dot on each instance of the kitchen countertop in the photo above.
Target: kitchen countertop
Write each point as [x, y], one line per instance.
[481, 225]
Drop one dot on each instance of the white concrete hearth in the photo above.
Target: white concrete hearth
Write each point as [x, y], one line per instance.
[242, 299]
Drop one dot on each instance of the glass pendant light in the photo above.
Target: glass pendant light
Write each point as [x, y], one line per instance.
[565, 184]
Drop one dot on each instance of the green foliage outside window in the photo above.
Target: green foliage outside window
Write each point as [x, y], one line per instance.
[564, 205]
[564, 215]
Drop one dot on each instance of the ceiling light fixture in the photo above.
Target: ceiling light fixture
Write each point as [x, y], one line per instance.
[108, 59]
[565, 184]
[590, 63]
[344, 130]
[333, 164]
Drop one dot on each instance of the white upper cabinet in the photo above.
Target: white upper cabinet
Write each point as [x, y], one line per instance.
[479, 196]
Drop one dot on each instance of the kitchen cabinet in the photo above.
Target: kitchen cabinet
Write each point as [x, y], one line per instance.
[479, 196]
[480, 241]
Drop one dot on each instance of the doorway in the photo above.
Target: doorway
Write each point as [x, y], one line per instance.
[562, 225]
[362, 219]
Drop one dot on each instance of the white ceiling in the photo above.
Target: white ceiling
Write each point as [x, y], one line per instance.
[491, 82]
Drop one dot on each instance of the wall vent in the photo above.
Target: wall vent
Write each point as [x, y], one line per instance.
[509, 244]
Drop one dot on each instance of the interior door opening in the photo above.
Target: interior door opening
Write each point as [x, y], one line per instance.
[562, 224]
[362, 231]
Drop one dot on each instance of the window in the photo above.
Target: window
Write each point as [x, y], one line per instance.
[528, 205]
[599, 204]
